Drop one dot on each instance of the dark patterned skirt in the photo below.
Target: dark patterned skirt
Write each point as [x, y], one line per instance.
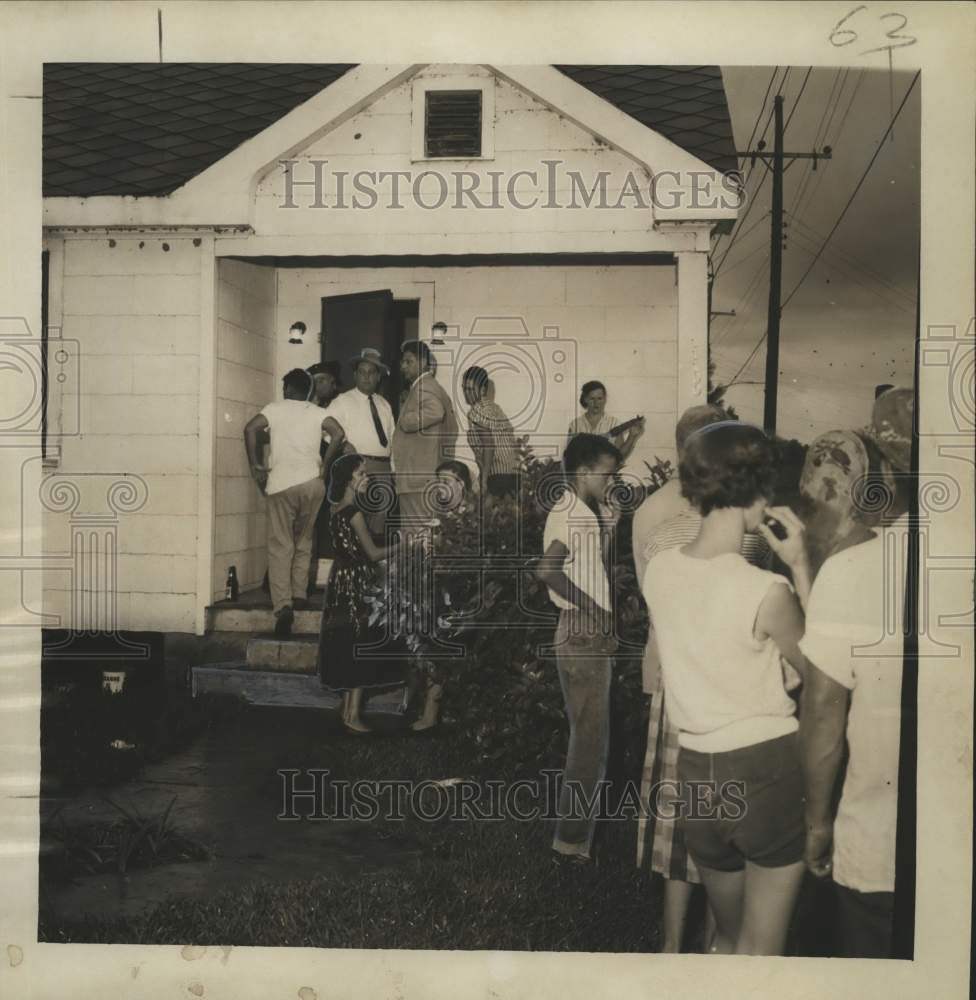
[354, 655]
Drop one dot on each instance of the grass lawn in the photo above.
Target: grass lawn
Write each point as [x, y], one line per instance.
[470, 885]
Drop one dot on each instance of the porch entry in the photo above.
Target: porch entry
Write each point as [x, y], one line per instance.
[356, 321]
[369, 319]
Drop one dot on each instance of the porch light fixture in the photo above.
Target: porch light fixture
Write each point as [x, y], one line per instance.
[296, 333]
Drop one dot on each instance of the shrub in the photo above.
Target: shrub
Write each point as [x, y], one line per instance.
[501, 686]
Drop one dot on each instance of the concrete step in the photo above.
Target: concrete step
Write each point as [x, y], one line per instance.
[264, 687]
[278, 688]
[296, 654]
[259, 619]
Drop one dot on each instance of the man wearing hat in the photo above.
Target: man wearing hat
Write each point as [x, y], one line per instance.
[852, 693]
[426, 433]
[360, 420]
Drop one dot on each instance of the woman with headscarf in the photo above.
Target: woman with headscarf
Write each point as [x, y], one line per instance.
[833, 489]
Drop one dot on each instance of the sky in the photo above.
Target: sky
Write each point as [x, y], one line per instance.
[851, 323]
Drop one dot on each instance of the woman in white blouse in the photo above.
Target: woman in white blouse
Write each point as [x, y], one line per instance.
[596, 420]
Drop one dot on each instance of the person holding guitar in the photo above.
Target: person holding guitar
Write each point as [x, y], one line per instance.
[596, 420]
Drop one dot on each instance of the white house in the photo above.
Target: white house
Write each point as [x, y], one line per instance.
[557, 219]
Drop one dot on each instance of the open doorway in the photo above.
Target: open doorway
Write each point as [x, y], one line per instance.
[349, 324]
[374, 319]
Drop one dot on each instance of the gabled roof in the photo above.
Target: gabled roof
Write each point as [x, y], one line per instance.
[685, 104]
[147, 128]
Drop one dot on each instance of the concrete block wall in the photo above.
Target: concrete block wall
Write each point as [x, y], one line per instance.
[615, 324]
[434, 218]
[133, 305]
[246, 381]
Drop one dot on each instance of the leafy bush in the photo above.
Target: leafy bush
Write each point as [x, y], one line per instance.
[501, 686]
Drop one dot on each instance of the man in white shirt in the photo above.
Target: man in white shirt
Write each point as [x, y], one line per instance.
[576, 545]
[292, 482]
[854, 644]
[360, 420]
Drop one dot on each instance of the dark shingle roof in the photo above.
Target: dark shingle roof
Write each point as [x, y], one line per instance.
[685, 104]
[147, 128]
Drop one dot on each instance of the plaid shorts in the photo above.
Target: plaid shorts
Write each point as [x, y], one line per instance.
[660, 842]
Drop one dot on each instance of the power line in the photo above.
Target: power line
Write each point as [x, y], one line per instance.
[853, 263]
[796, 103]
[745, 301]
[799, 209]
[755, 126]
[837, 266]
[857, 188]
[830, 108]
[840, 218]
[762, 180]
[752, 253]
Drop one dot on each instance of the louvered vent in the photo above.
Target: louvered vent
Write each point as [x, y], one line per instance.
[453, 123]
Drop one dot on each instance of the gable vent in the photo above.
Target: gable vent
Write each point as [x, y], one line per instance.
[452, 124]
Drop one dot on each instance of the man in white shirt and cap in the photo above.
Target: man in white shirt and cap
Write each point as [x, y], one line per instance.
[292, 482]
[360, 420]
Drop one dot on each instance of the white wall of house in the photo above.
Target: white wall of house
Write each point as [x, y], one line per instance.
[180, 346]
[525, 134]
[245, 382]
[540, 331]
[132, 304]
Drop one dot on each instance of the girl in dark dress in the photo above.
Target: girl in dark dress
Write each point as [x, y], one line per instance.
[344, 665]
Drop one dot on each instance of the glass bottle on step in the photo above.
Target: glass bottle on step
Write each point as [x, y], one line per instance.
[232, 588]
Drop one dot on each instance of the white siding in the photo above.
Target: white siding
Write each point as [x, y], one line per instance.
[133, 305]
[526, 133]
[245, 383]
[615, 324]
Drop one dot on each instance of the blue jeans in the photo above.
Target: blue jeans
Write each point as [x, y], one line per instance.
[585, 668]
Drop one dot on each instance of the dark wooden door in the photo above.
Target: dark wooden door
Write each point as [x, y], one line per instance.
[350, 323]
[365, 319]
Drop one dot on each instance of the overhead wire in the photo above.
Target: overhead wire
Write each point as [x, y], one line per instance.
[755, 127]
[745, 184]
[857, 188]
[837, 223]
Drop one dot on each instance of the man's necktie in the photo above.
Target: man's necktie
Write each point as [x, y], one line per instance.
[377, 423]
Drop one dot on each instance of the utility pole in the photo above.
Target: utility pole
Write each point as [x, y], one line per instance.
[775, 274]
[779, 165]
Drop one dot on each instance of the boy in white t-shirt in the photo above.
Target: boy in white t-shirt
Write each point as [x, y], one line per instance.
[292, 482]
[574, 568]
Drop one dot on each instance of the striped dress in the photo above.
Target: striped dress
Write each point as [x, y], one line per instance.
[660, 843]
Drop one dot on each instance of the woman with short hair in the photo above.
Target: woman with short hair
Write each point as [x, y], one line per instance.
[596, 420]
[722, 626]
[344, 664]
